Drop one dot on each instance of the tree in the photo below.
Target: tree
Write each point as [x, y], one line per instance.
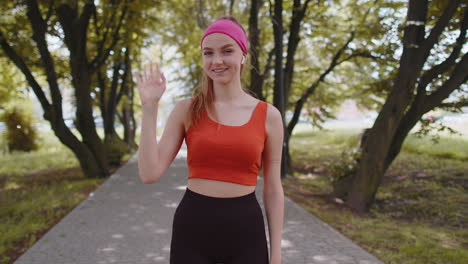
[256, 77]
[68, 22]
[421, 84]
[348, 39]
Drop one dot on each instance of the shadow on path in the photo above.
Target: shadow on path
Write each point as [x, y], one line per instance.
[127, 222]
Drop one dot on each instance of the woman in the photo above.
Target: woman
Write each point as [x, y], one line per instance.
[229, 135]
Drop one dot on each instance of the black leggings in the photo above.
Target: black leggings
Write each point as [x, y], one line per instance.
[212, 230]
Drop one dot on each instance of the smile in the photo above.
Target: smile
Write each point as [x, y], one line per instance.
[219, 70]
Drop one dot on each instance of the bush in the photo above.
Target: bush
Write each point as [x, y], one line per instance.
[20, 134]
[342, 171]
[115, 149]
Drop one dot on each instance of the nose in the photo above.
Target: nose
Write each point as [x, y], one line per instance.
[217, 59]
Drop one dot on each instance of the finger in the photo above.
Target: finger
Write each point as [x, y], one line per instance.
[137, 77]
[141, 76]
[151, 69]
[157, 68]
[145, 72]
[163, 77]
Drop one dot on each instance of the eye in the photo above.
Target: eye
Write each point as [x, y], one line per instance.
[228, 51]
[207, 53]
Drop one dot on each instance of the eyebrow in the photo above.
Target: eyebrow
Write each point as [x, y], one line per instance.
[225, 46]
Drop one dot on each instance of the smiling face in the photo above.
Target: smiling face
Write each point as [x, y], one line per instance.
[222, 58]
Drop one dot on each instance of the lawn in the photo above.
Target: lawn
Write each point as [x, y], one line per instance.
[418, 217]
[420, 211]
[37, 190]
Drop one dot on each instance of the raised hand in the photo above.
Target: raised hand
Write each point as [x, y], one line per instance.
[151, 84]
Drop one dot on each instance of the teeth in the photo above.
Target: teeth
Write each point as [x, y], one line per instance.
[219, 70]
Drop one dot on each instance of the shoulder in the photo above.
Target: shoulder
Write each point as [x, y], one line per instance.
[274, 121]
[272, 113]
[184, 102]
[181, 108]
[183, 105]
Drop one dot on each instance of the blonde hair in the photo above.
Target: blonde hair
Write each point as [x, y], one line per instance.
[203, 95]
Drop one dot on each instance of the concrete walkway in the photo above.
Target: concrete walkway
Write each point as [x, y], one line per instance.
[127, 222]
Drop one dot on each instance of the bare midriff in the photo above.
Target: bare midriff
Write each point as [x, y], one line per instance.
[218, 189]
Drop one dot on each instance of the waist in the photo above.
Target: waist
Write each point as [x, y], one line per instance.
[237, 175]
[217, 188]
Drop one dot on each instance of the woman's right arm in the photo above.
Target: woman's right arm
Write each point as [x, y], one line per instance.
[154, 158]
[151, 86]
[148, 156]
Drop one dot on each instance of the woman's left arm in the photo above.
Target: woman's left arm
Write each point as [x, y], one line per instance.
[273, 195]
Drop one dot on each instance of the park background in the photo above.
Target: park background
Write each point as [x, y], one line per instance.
[345, 66]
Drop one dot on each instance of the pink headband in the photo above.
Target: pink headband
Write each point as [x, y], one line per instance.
[230, 28]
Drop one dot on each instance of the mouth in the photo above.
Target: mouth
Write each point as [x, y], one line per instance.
[219, 70]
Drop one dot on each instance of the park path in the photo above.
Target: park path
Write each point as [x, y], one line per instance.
[127, 222]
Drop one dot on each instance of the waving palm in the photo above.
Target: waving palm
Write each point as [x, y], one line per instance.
[151, 84]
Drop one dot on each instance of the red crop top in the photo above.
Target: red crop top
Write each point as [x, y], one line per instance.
[227, 153]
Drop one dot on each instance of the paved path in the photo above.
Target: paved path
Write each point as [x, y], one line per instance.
[127, 222]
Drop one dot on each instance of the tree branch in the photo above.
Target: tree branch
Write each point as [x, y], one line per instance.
[106, 32]
[363, 54]
[19, 62]
[460, 104]
[231, 7]
[50, 10]
[333, 63]
[268, 64]
[101, 58]
[298, 13]
[438, 28]
[39, 29]
[125, 76]
[459, 76]
[444, 66]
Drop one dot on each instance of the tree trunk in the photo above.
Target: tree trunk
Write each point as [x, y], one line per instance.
[402, 109]
[82, 153]
[278, 90]
[84, 114]
[256, 78]
[128, 115]
[298, 12]
[75, 29]
[286, 153]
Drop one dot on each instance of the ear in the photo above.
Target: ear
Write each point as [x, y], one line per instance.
[243, 60]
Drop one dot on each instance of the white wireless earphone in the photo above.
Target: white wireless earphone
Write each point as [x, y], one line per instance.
[243, 60]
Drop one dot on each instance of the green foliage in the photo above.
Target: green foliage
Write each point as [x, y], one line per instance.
[342, 170]
[431, 125]
[115, 149]
[418, 216]
[11, 83]
[20, 133]
[345, 165]
[362, 69]
[51, 153]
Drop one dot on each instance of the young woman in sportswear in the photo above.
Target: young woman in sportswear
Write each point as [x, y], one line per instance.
[230, 135]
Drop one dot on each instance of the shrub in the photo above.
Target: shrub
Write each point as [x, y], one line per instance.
[342, 171]
[20, 134]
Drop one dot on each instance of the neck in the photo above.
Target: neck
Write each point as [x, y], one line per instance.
[228, 92]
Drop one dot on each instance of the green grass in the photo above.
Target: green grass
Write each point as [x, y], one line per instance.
[37, 189]
[51, 154]
[31, 207]
[420, 211]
